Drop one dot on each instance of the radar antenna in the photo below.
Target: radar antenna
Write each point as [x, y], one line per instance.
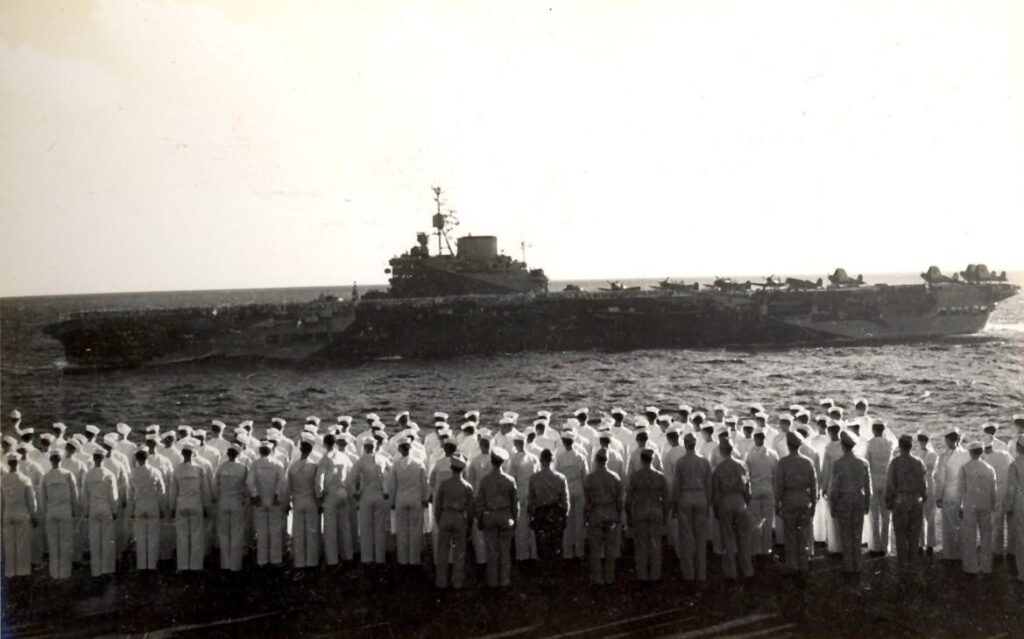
[443, 223]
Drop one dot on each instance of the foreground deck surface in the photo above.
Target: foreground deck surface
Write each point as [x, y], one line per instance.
[556, 602]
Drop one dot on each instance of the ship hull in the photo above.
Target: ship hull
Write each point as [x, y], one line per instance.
[482, 324]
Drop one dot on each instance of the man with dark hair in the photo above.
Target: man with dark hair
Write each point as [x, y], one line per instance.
[99, 497]
[407, 485]
[497, 507]
[947, 493]
[849, 497]
[796, 494]
[930, 458]
[977, 501]
[189, 499]
[453, 512]
[879, 454]
[58, 503]
[647, 507]
[691, 499]
[730, 494]
[905, 493]
[366, 485]
[603, 493]
[19, 510]
[549, 507]
[305, 506]
[229, 488]
[266, 487]
[332, 489]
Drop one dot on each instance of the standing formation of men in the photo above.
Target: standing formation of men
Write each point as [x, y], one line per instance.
[734, 487]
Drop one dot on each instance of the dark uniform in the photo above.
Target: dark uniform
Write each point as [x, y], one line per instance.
[796, 489]
[646, 508]
[497, 507]
[730, 493]
[603, 493]
[905, 494]
[548, 501]
[849, 497]
[453, 508]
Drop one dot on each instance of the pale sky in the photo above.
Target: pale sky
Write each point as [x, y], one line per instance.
[154, 145]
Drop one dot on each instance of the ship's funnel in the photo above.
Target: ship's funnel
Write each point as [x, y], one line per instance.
[478, 247]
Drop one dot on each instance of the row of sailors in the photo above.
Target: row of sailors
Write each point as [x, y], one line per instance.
[325, 472]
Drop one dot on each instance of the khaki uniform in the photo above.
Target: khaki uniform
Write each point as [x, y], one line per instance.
[849, 497]
[603, 493]
[796, 492]
[692, 499]
[730, 492]
[497, 507]
[453, 508]
[646, 509]
[762, 463]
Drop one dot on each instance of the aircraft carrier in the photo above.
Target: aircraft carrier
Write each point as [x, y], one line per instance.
[474, 300]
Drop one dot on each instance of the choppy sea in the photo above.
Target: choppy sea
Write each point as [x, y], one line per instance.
[964, 381]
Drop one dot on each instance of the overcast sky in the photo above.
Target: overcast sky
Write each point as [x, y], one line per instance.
[151, 145]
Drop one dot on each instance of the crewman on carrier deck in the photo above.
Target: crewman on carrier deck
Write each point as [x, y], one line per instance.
[301, 490]
[905, 493]
[572, 464]
[99, 497]
[366, 485]
[1000, 461]
[762, 463]
[189, 498]
[603, 512]
[497, 508]
[521, 466]
[730, 494]
[647, 505]
[58, 503]
[266, 483]
[19, 509]
[977, 501]
[548, 501]
[230, 489]
[929, 458]
[453, 512]
[147, 504]
[691, 501]
[796, 495]
[407, 485]
[332, 490]
[947, 491]
[849, 498]
[879, 454]
[1015, 504]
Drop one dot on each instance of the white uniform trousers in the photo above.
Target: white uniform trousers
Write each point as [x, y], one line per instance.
[878, 522]
[928, 531]
[17, 545]
[305, 535]
[1017, 530]
[146, 524]
[102, 545]
[60, 539]
[190, 526]
[526, 541]
[762, 523]
[337, 530]
[999, 529]
[819, 523]
[373, 523]
[835, 544]
[409, 532]
[268, 522]
[231, 535]
[977, 522]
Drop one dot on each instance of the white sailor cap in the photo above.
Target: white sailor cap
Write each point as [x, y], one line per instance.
[760, 430]
[152, 437]
[10, 441]
[188, 446]
[785, 417]
[15, 414]
[581, 411]
[652, 409]
[216, 423]
[484, 434]
[310, 428]
[828, 401]
[506, 421]
[685, 408]
[467, 426]
[618, 411]
[413, 427]
[540, 421]
[345, 419]
[399, 416]
[469, 414]
[247, 423]
[821, 418]
[242, 431]
[439, 416]
[28, 431]
[499, 453]
[698, 415]
[663, 419]
[1018, 417]
[372, 417]
[517, 436]
[835, 409]
[757, 407]
[748, 423]
[377, 425]
[9, 457]
[569, 435]
[123, 428]
[640, 422]
[833, 424]
[510, 414]
[446, 431]
[47, 437]
[793, 408]
[185, 428]
[642, 430]
[90, 428]
[265, 445]
[989, 426]
[976, 445]
[674, 429]
[110, 438]
[802, 413]
[720, 408]
[313, 419]
[544, 414]
[952, 432]
[860, 401]
[199, 432]
[731, 419]
[308, 437]
[275, 420]
[721, 430]
[59, 426]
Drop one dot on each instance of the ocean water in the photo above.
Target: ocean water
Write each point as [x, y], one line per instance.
[963, 381]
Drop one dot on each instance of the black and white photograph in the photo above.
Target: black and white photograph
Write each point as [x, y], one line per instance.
[562, 319]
